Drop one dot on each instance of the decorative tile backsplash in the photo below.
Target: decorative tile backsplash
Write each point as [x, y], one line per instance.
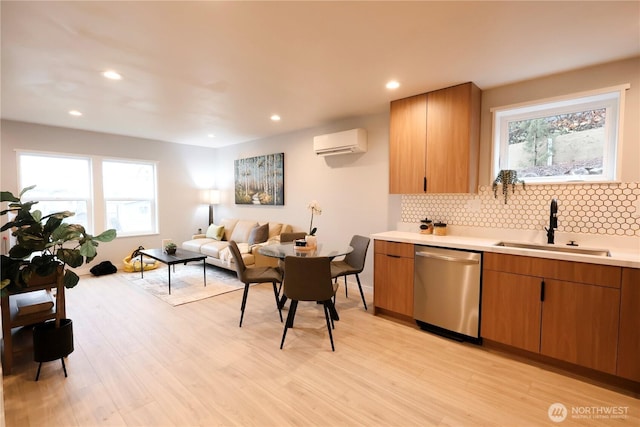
[582, 208]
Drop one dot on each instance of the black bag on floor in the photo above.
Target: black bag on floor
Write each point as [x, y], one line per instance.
[105, 267]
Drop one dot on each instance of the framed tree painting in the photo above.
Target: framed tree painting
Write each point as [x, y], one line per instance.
[260, 180]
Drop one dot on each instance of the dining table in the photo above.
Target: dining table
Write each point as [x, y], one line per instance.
[283, 250]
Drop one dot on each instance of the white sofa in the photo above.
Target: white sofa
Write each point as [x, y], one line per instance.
[216, 247]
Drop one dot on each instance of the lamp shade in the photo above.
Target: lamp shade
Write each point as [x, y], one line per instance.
[214, 197]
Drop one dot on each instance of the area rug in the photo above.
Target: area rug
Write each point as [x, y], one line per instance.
[187, 283]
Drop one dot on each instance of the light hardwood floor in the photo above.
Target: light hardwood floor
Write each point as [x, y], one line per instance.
[140, 362]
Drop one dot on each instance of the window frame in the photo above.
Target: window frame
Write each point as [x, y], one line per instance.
[97, 202]
[612, 98]
[89, 201]
[153, 201]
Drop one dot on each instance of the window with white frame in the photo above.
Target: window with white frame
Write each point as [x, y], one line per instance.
[129, 190]
[570, 139]
[62, 183]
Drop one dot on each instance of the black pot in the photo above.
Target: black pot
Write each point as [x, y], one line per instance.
[51, 343]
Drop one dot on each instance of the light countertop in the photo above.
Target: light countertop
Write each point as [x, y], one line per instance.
[622, 257]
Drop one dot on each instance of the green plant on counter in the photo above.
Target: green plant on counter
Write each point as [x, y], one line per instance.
[507, 178]
[44, 243]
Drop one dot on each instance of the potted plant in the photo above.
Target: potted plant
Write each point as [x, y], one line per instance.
[170, 248]
[45, 247]
[44, 243]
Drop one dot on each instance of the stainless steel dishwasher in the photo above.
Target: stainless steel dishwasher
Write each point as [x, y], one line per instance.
[446, 294]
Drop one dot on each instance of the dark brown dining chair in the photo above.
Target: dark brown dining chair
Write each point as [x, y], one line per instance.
[286, 238]
[309, 279]
[248, 275]
[290, 237]
[352, 264]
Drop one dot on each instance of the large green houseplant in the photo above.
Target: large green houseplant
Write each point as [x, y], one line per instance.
[44, 244]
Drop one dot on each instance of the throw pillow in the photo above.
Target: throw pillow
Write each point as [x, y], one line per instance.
[259, 234]
[215, 232]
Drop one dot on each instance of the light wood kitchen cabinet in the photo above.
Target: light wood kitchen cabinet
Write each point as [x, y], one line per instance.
[629, 339]
[580, 324]
[578, 308]
[393, 277]
[407, 145]
[511, 309]
[434, 141]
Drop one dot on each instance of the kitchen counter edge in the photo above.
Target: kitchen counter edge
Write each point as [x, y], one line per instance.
[617, 258]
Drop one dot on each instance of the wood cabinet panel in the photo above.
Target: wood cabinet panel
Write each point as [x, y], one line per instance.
[393, 284]
[393, 277]
[580, 324]
[595, 274]
[406, 250]
[511, 309]
[407, 145]
[435, 137]
[453, 139]
[629, 339]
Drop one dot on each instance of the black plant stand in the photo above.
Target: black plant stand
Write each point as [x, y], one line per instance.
[51, 343]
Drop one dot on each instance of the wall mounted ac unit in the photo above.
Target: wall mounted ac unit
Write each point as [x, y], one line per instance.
[349, 141]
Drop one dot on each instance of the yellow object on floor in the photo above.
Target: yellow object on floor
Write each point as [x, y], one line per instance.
[131, 266]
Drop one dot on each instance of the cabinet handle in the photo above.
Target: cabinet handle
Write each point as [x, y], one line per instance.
[542, 291]
[424, 184]
[394, 256]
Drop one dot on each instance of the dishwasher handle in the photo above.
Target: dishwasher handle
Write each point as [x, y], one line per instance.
[447, 258]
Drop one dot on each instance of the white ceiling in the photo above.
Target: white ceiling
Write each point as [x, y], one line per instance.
[194, 68]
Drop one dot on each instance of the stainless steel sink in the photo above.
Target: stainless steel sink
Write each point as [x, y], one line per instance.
[556, 248]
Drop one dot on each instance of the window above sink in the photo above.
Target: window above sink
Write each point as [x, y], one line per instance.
[573, 138]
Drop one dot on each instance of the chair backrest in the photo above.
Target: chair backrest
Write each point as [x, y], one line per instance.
[241, 268]
[308, 278]
[290, 237]
[357, 257]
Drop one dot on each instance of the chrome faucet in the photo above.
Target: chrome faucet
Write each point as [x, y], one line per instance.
[553, 222]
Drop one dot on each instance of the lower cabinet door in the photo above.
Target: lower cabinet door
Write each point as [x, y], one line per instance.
[511, 309]
[629, 340]
[580, 324]
[393, 283]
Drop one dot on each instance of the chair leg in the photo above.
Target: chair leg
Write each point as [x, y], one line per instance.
[361, 293]
[289, 323]
[326, 316]
[244, 302]
[275, 292]
[346, 292]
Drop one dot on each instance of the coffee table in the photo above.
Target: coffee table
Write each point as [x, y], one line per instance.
[181, 256]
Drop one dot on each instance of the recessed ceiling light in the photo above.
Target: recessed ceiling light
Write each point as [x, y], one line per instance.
[75, 113]
[112, 75]
[393, 84]
[211, 135]
[275, 118]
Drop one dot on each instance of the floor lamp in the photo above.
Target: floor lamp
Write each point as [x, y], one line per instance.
[214, 199]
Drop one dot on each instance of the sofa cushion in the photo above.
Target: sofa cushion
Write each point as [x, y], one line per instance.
[229, 225]
[275, 228]
[242, 230]
[213, 248]
[215, 232]
[259, 234]
[195, 244]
